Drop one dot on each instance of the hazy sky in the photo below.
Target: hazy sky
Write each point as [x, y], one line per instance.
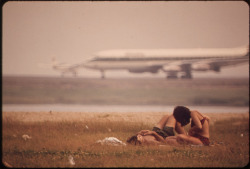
[71, 31]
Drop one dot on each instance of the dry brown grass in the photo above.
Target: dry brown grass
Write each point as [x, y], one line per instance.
[57, 135]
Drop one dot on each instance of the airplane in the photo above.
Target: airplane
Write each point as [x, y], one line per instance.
[170, 61]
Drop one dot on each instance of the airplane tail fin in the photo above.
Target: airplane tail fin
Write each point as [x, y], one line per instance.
[49, 64]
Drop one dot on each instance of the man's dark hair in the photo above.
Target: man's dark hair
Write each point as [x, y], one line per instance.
[182, 115]
[133, 140]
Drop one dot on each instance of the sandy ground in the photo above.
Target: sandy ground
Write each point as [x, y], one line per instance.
[145, 117]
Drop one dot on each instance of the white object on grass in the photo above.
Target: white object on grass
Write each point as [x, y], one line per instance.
[71, 160]
[26, 137]
[111, 141]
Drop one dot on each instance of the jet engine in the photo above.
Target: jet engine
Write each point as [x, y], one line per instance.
[201, 67]
[145, 69]
[171, 68]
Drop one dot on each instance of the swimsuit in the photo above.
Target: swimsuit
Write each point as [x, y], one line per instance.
[203, 139]
[165, 132]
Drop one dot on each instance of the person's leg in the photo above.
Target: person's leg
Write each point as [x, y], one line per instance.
[172, 140]
[162, 122]
[181, 138]
[171, 137]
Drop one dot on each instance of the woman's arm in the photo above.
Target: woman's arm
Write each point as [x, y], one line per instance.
[143, 131]
[193, 130]
[157, 136]
[208, 118]
[196, 120]
[179, 129]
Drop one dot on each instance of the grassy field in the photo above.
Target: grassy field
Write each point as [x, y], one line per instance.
[42, 90]
[56, 136]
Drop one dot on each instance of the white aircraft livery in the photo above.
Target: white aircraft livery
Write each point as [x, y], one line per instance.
[171, 61]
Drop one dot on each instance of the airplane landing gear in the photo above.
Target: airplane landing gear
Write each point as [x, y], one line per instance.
[172, 75]
[187, 75]
[103, 74]
[186, 71]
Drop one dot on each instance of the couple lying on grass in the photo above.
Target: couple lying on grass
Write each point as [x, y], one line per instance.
[163, 132]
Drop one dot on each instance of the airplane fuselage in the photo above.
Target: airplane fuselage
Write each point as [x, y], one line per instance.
[145, 59]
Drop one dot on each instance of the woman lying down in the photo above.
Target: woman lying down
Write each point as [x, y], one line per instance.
[163, 132]
[146, 137]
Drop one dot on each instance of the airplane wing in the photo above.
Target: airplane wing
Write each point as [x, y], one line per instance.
[172, 68]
